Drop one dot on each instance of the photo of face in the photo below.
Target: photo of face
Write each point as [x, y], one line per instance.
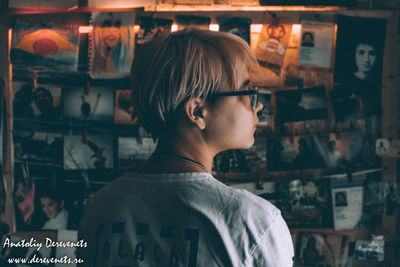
[110, 30]
[112, 44]
[365, 57]
[51, 207]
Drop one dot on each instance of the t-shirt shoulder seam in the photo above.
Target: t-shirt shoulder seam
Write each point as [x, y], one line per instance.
[256, 245]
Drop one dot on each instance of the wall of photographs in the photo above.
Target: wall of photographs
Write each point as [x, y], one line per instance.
[314, 154]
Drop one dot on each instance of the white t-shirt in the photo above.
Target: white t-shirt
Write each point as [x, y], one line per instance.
[184, 219]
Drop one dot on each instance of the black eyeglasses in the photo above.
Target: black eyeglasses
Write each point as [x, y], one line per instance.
[253, 94]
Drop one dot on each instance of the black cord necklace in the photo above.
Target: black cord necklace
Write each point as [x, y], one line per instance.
[178, 157]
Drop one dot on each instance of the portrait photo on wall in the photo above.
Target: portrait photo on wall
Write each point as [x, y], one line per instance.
[45, 47]
[358, 65]
[301, 105]
[134, 151]
[305, 203]
[316, 44]
[123, 113]
[42, 102]
[112, 44]
[38, 147]
[88, 151]
[94, 103]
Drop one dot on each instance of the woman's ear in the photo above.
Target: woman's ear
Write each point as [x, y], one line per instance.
[195, 111]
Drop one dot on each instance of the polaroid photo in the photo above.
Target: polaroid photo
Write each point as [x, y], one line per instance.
[45, 47]
[134, 151]
[97, 103]
[85, 152]
[112, 44]
[123, 113]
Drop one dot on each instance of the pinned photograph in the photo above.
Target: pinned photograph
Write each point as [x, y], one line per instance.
[150, 28]
[291, 153]
[112, 44]
[96, 103]
[45, 47]
[123, 108]
[358, 66]
[42, 102]
[236, 26]
[355, 149]
[264, 115]
[301, 105]
[319, 249]
[38, 147]
[305, 203]
[347, 202]
[316, 44]
[134, 151]
[84, 152]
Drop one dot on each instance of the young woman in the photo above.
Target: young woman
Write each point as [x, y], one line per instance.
[191, 91]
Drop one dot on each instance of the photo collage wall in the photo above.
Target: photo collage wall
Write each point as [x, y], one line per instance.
[73, 116]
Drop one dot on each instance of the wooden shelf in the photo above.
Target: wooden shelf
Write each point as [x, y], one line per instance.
[22, 11]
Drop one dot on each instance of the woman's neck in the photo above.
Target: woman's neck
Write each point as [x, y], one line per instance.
[174, 155]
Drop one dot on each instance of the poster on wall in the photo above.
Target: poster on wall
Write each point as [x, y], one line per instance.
[316, 44]
[97, 103]
[272, 44]
[358, 67]
[45, 47]
[112, 45]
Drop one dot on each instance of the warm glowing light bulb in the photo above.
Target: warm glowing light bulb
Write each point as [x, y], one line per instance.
[174, 27]
[136, 28]
[214, 27]
[85, 29]
[296, 28]
[256, 28]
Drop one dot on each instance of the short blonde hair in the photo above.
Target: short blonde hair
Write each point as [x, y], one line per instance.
[170, 69]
